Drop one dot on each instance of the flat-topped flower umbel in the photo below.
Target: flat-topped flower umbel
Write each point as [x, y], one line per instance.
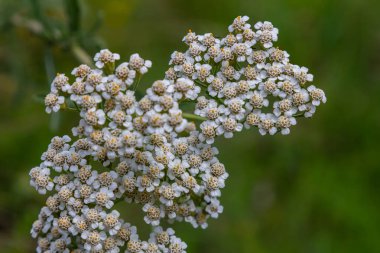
[149, 151]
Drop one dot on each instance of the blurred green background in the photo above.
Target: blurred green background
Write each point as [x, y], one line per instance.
[317, 190]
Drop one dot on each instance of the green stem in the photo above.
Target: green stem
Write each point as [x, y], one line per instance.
[109, 68]
[193, 116]
[138, 81]
[69, 108]
[77, 107]
[215, 68]
[49, 63]
[200, 83]
[298, 115]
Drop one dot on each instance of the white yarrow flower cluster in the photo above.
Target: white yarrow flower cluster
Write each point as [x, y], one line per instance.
[147, 150]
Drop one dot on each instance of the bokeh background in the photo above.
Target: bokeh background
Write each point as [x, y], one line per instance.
[317, 190]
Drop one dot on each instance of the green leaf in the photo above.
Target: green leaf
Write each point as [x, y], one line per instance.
[74, 13]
